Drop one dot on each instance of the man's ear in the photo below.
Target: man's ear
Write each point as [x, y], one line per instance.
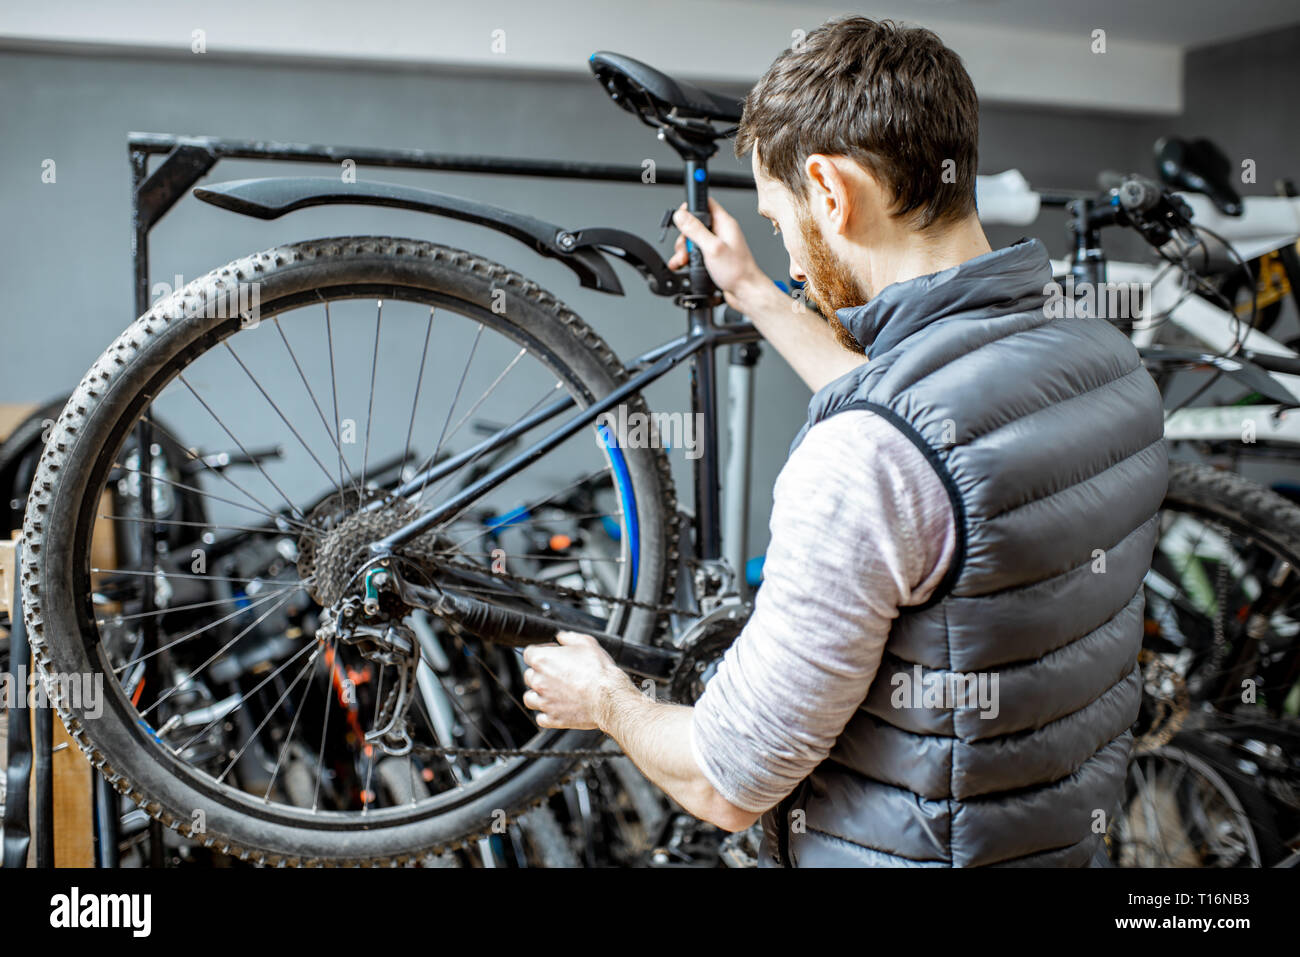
[830, 192]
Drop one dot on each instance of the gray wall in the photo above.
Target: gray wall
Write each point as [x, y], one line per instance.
[1243, 96]
[66, 267]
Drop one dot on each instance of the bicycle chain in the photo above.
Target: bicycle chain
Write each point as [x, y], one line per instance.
[1220, 609]
[567, 591]
[591, 753]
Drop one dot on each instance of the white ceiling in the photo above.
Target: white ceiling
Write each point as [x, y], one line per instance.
[1018, 51]
[1181, 23]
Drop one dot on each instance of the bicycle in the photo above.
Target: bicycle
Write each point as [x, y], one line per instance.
[396, 576]
[1194, 312]
[489, 760]
[1221, 657]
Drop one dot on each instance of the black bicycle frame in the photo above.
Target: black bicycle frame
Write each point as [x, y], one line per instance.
[698, 345]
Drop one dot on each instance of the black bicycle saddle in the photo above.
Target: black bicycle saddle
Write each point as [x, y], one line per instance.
[630, 82]
[1198, 166]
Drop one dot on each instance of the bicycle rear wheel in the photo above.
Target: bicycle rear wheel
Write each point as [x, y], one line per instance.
[1223, 592]
[1185, 806]
[1219, 660]
[218, 633]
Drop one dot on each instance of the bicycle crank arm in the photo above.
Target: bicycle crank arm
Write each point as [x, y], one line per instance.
[517, 629]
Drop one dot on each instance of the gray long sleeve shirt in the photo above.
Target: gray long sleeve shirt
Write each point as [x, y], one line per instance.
[861, 525]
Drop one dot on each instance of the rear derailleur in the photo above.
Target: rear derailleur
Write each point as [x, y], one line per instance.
[372, 625]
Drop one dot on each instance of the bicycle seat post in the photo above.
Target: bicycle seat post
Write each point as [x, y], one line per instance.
[697, 201]
[699, 311]
[684, 116]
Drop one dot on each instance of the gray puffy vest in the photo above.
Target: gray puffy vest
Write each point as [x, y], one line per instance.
[997, 730]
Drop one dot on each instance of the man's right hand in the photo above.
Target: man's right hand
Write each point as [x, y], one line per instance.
[726, 255]
[802, 337]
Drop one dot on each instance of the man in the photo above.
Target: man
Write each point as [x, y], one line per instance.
[941, 664]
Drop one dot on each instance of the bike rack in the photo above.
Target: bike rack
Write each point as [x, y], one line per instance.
[186, 160]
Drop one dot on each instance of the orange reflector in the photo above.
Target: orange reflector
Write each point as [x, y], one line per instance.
[560, 542]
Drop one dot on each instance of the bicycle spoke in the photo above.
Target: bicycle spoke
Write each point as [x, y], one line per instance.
[306, 385]
[334, 390]
[519, 705]
[503, 526]
[270, 713]
[331, 660]
[370, 408]
[486, 393]
[153, 423]
[217, 654]
[260, 600]
[279, 517]
[447, 480]
[256, 464]
[283, 418]
[288, 740]
[549, 497]
[181, 575]
[466, 465]
[259, 529]
[478, 334]
[419, 380]
[244, 697]
[119, 619]
[459, 706]
[558, 558]
[367, 748]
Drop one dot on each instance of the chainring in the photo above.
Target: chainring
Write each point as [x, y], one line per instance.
[703, 646]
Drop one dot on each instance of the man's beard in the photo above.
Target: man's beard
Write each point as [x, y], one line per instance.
[831, 285]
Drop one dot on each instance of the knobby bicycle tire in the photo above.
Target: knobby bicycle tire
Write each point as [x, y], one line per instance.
[93, 425]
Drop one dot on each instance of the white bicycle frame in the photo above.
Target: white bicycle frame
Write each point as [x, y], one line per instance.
[1267, 223]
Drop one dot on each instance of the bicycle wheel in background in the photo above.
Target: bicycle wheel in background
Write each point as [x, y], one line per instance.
[1213, 780]
[1223, 593]
[1187, 805]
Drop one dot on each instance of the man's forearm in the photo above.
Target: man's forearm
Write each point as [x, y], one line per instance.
[657, 737]
[799, 334]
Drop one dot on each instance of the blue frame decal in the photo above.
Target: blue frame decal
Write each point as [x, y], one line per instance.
[623, 479]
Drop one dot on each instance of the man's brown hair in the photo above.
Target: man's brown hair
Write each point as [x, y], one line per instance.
[892, 98]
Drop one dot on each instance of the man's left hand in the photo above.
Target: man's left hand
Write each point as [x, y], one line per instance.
[570, 682]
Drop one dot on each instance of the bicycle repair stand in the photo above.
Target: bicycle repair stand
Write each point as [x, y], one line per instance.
[186, 160]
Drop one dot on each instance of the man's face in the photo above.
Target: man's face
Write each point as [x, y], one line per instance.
[829, 282]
